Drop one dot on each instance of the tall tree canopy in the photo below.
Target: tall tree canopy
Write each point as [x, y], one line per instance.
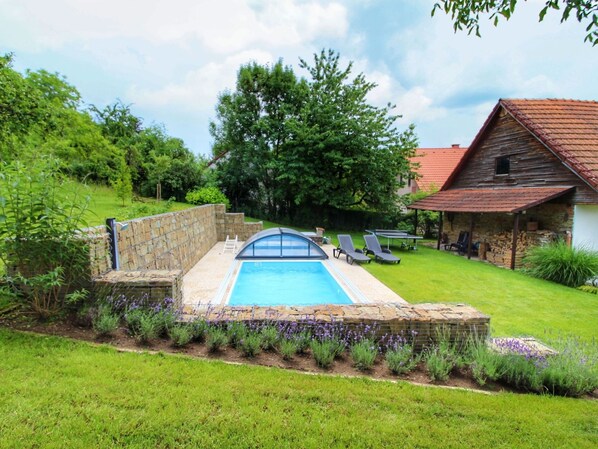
[466, 13]
[312, 143]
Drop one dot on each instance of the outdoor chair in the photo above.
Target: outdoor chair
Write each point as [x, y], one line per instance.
[372, 246]
[461, 244]
[345, 246]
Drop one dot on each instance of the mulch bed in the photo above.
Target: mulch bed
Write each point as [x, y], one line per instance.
[301, 362]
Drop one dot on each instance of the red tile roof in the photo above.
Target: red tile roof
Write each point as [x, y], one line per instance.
[568, 128]
[435, 165]
[489, 200]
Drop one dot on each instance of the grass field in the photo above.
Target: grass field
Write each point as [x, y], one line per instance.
[58, 393]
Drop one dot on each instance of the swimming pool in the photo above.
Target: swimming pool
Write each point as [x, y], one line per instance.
[286, 283]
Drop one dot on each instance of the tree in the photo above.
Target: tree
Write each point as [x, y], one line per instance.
[466, 13]
[286, 144]
[122, 184]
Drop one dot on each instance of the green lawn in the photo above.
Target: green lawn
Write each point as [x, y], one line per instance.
[58, 393]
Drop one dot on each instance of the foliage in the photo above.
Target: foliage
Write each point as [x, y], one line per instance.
[286, 145]
[199, 328]
[146, 208]
[251, 344]
[401, 358]
[427, 221]
[216, 338]
[442, 357]
[485, 364]
[288, 347]
[236, 331]
[270, 337]
[364, 354]
[323, 352]
[122, 184]
[39, 233]
[105, 322]
[207, 195]
[589, 289]
[561, 263]
[181, 334]
[466, 13]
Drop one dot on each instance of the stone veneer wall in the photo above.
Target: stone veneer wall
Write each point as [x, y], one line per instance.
[155, 252]
[422, 322]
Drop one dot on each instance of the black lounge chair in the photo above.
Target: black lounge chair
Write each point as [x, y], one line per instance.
[461, 244]
[345, 246]
[372, 246]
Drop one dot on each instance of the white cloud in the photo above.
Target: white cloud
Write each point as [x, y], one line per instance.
[223, 26]
[199, 89]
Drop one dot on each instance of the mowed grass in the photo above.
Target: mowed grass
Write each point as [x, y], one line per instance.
[59, 393]
[517, 304]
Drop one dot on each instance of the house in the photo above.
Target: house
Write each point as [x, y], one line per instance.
[530, 175]
[431, 168]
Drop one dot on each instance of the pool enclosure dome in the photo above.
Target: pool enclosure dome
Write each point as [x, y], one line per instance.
[280, 243]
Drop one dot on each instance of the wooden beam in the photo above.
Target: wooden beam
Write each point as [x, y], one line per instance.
[514, 246]
[439, 229]
[415, 223]
[470, 237]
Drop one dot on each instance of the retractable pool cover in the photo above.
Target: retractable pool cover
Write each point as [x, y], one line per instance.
[280, 243]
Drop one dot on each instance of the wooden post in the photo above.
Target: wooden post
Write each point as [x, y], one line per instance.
[514, 246]
[439, 229]
[470, 237]
[415, 224]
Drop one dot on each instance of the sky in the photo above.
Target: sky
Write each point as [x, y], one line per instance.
[169, 60]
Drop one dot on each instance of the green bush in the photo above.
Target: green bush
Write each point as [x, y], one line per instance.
[181, 334]
[236, 331]
[251, 344]
[303, 341]
[288, 347]
[270, 338]
[105, 322]
[485, 364]
[199, 329]
[364, 354]
[149, 328]
[560, 263]
[401, 359]
[589, 289]
[323, 352]
[216, 338]
[207, 195]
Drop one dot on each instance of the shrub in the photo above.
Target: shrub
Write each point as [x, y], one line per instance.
[303, 340]
[589, 289]
[520, 372]
[165, 320]
[133, 319]
[149, 327]
[401, 359]
[364, 354]
[199, 328]
[270, 338]
[439, 363]
[216, 338]
[288, 347]
[485, 364]
[560, 263]
[207, 195]
[236, 331]
[181, 334]
[105, 322]
[323, 352]
[338, 347]
[251, 344]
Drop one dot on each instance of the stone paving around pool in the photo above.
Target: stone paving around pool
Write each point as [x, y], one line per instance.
[205, 283]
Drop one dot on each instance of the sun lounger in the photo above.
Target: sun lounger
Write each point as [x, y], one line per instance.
[372, 246]
[345, 246]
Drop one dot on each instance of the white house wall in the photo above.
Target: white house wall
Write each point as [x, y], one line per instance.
[585, 226]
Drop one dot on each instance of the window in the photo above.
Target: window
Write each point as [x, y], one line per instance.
[502, 165]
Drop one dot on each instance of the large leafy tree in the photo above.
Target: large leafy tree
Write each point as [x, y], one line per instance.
[466, 14]
[316, 144]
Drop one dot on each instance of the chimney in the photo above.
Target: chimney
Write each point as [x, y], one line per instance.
[455, 145]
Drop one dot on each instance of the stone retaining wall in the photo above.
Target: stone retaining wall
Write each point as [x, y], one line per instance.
[423, 321]
[155, 252]
[151, 286]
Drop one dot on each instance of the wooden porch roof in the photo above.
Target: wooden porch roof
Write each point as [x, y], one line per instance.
[506, 200]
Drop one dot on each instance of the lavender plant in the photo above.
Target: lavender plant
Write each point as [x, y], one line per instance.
[323, 352]
[269, 337]
[199, 328]
[251, 344]
[105, 322]
[364, 354]
[181, 334]
[400, 356]
[288, 347]
[216, 338]
[236, 331]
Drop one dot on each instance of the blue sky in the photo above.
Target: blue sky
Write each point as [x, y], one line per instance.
[170, 59]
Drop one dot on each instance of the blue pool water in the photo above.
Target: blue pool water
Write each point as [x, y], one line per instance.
[286, 284]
